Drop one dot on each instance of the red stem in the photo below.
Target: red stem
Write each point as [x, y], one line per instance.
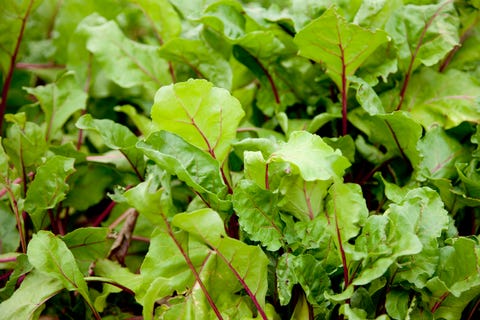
[415, 53]
[244, 284]
[5, 260]
[439, 302]
[192, 268]
[467, 33]
[30, 66]
[13, 58]
[104, 214]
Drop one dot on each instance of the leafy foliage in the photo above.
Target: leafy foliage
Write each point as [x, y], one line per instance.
[225, 159]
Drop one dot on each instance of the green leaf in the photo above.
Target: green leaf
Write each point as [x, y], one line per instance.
[144, 124]
[203, 60]
[204, 115]
[259, 52]
[440, 152]
[367, 97]
[195, 167]
[24, 144]
[50, 255]
[29, 299]
[258, 214]
[340, 45]
[398, 132]
[70, 14]
[311, 157]
[397, 303]
[407, 231]
[165, 20]
[9, 236]
[48, 188]
[126, 62]
[59, 101]
[457, 280]
[247, 265]
[346, 210]
[116, 137]
[443, 99]
[304, 199]
[112, 272]
[424, 33]
[146, 197]
[13, 15]
[88, 245]
[89, 184]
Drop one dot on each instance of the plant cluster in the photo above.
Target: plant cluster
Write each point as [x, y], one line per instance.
[222, 159]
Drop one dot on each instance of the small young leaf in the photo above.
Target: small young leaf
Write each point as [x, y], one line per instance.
[311, 156]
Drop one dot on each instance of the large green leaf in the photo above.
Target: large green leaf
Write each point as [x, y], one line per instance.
[29, 299]
[205, 267]
[204, 115]
[59, 101]
[342, 46]
[50, 255]
[48, 188]
[443, 99]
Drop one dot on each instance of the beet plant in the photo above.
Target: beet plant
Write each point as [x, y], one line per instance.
[227, 159]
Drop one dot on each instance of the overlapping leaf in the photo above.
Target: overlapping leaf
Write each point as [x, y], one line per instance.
[340, 45]
[48, 188]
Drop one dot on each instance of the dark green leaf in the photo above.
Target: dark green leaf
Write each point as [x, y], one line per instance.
[48, 188]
